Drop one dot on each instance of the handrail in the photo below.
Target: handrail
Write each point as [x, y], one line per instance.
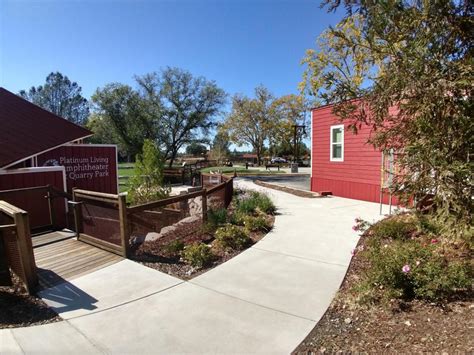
[164, 202]
[10, 209]
[25, 189]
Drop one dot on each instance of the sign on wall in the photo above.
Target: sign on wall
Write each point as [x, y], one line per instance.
[88, 166]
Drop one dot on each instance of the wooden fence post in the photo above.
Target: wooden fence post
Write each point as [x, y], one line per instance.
[77, 213]
[124, 228]
[25, 248]
[204, 205]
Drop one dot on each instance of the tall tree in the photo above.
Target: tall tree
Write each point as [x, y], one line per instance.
[250, 121]
[128, 114]
[60, 96]
[415, 56]
[186, 106]
[290, 111]
[220, 148]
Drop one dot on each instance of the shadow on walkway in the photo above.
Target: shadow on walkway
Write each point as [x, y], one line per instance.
[64, 297]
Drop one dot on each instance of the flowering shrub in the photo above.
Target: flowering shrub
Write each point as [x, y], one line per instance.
[403, 266]
[258, 223]
[198, 255]
[230, 237]
[360, 225]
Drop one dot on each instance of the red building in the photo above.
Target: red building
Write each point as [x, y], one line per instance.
[342, 162]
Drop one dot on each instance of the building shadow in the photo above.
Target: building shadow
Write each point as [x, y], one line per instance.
[61, 295]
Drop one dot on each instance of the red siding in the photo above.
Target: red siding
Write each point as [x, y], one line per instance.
[34, 202]
[358, 176]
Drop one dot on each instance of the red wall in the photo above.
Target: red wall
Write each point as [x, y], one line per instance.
[358, 176]
[88, 166]
[34, 202]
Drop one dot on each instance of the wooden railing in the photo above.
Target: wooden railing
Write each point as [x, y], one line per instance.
[17, 245]
[125, 217]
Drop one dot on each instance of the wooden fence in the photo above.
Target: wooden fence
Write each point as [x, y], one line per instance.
[17, 246]
[106, 221]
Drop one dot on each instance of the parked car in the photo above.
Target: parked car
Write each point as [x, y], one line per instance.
[278, 160]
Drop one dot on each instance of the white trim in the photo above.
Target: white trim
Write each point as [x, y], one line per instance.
[311, 145]
[340, 126]
[39, 153]
[32, 170]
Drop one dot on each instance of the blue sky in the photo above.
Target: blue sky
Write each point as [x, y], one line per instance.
[238, 43]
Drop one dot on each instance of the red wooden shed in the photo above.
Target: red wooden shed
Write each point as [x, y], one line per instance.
[342, 162]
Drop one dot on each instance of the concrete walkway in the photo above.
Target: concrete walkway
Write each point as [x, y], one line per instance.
[265, 300]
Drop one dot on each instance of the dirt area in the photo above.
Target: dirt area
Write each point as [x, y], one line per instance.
[400, 327]
[172, 265]
[19, 309]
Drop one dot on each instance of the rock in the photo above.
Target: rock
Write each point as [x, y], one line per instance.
[348, 321]
[152, 236]
[137, 239]
[408, 323]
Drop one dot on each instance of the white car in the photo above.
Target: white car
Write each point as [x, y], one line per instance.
[278, 160]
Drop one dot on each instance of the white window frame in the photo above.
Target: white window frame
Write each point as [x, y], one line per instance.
[339, 126]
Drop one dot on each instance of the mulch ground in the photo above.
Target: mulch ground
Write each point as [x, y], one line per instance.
[178, 268]
[400, 327]
[19, 309]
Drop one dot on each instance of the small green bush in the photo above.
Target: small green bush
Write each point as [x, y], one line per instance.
[256, 201]
[254, 224]
[230, 237]
[237, 218]
[198, 255]
[395, 228]
[217, 217]
[174, 247]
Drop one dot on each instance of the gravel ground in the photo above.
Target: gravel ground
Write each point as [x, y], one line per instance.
[19, 309]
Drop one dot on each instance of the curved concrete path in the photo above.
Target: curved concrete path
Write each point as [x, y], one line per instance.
[265, 300]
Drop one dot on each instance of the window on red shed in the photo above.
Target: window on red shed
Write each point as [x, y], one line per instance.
[337, 143]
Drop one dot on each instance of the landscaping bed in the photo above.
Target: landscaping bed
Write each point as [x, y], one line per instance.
[417, 297]
[226, 234]
[19, 309]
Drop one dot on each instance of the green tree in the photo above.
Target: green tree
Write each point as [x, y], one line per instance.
[250, 120]
[104, 133]
[60, 96]
[185, 105]
[290, 110]
[127, 115]
[220, 148]
[406, 69]
[196, 149]
[147, 182]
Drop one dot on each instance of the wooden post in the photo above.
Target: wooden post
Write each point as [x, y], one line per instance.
[49, 196]
[25, 248]
[124, 228]
[77, 214]
[204, 205]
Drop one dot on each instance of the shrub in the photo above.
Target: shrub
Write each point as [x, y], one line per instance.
[258, 223]
[146, 184]
[230, 237]
[217, 217]
[237, 218]
[412, 269]
[396, 227]
[256, 201]
[174, 247]
[198, 255]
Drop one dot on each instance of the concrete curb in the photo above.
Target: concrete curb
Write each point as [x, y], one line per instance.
[290, 190]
